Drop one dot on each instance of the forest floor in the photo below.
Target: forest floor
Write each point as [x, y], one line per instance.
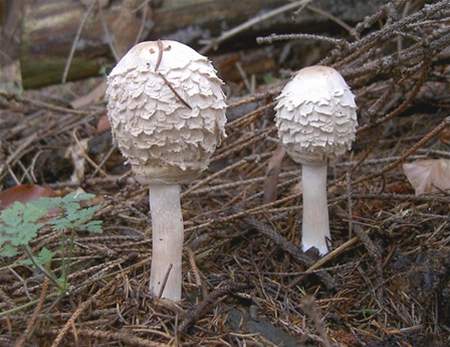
[386, 281]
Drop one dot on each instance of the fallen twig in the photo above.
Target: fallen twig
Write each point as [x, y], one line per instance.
[197, 312]
[32, 321]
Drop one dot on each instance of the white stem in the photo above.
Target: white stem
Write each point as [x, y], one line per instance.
[167, 230]
[316, 226]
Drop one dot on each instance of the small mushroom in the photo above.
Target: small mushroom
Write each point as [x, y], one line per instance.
[167, 114]
[316, 120]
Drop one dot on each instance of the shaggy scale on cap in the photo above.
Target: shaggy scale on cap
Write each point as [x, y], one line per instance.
[316, 115]
[167, 110]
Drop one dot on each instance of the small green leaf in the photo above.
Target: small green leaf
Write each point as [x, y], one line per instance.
[76, 196]
[94, 226]
[3, 238]
[19, 224]
[10, 231]
[61, 224]
[71, 207]
[62, 283]
[8, 251]
[43, 258]
[25, 233]
[268, 78]
[12, 215]
[84, 215]
[47, 203]
[33, 212]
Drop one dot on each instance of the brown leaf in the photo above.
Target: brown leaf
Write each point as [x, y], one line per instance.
[272, 173]
[126, 27]
[24, 193]
[427, 176]
[444, 136]
[398, 188]
[90, 98]
[77, 153]
[103, 124]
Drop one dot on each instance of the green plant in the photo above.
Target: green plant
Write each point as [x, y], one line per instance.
[22, 222]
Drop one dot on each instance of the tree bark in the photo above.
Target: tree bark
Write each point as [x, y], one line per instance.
[11, 28]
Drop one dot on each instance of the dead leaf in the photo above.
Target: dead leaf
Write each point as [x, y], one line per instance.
[24, 193]
[296, 188]
[77, 153]
[272, 173]
[398, 188]
[427, 176]
[444, 136]
[103, 124]
[90, 98]
[126, 27]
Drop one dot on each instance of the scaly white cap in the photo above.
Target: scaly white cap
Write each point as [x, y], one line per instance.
[316, 115]
[167, 110]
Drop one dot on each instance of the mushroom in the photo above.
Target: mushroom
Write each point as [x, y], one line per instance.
[167, 114]
[316, 120]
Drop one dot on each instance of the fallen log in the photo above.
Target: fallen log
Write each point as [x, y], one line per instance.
[10, 31]
[53, 29]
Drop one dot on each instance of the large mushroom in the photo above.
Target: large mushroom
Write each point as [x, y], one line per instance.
[167, 114]
[316, 120]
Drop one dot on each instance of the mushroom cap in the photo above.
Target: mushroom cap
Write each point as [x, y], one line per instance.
[166, 122]
[316, 115]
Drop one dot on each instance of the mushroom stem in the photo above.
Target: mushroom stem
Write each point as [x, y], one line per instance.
[167, 230]
[316, 227]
